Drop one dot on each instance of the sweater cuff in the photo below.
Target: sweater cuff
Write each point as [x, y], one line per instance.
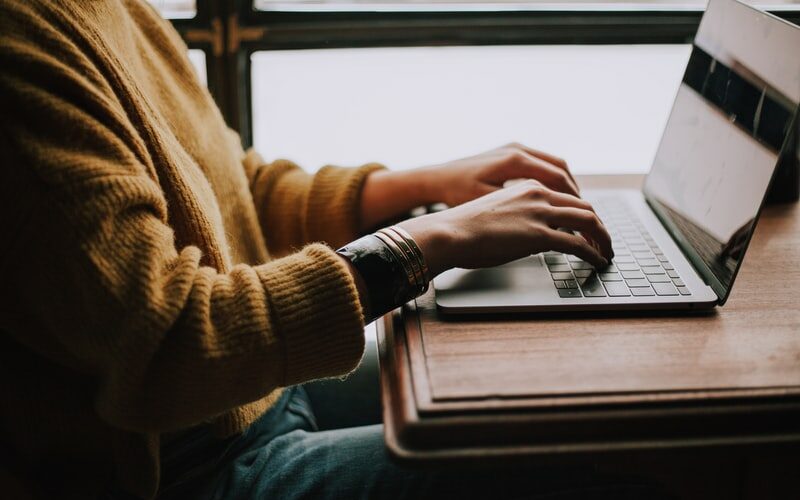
[334, 203]
[315, 306]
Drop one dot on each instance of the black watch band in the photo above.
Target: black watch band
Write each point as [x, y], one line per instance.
[383, 274]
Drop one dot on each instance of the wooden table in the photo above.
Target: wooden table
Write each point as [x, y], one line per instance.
[551, 387]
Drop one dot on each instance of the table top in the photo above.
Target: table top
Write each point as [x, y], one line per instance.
[620, 365]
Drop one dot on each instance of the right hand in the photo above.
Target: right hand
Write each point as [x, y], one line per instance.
[509, 224]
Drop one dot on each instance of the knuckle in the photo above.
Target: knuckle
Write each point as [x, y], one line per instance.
[535, 231]
[563, 179]
[534, 190]
[516, 157]
[542, 211]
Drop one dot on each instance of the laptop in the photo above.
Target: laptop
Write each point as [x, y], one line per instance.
[680, 240]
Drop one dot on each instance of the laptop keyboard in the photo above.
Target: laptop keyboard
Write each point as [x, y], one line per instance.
[639, 267]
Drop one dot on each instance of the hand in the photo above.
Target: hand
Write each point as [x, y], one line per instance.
[460, 181]
[388, 194]
[509, 224]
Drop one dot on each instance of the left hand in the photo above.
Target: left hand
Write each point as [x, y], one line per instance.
[463, 180]
[388, 194]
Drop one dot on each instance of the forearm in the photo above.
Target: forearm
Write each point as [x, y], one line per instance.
[387, 195]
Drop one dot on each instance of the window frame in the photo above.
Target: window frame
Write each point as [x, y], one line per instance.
[231, 31]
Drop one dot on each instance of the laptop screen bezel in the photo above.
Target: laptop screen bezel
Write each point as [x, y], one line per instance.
[686, 247]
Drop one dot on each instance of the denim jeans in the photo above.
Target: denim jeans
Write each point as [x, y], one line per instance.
[285, 455]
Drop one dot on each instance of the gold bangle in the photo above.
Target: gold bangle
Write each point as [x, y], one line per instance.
[414, 255]
[425, 271]
[408, 255]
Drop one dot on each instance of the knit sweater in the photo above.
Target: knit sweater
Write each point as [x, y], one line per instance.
[139, 296]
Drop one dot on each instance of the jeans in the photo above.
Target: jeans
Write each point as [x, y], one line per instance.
[287, 454]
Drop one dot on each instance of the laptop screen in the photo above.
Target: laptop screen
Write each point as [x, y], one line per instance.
[733, 113]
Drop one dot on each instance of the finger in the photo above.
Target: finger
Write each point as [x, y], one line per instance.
[575, 245]
[565, 200]
[549, 175]
[584, 221]
[555, 160]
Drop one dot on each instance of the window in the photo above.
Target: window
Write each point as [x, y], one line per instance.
[491, 5]
[176, 9]
[255, 69]
[601, 107]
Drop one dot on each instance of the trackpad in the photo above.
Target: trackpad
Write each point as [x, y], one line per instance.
[519, 274]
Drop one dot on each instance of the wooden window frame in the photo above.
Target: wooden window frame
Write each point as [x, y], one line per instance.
[230, 31]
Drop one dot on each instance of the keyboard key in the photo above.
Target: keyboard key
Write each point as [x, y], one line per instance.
[673, 274]
[583, 273]
[642, 292]
[572, 258]
[581, 265]
[652, 270]
[611, 268]
[617, 289]
[667, 265]
[593, 288]
[629, 275]
[627, 266]
[648, 262]
[657, 251]
[665, 289]
[639, 248]
[558, 268]
[560, 284]
[678, 282]
[562, 276]
[638, 283]
[623, 258]
[555, 259]
[570, 284]
[684, 291]
[570, 293]
[658, 278]
[662, 258]
[610, 277]
[643, 255]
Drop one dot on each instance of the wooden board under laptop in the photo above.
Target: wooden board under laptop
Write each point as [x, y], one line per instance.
[561, 386]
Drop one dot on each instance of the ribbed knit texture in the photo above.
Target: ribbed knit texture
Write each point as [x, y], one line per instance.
[139, 296]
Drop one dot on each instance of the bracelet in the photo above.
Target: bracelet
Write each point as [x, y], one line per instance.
[426, 273]
[391, 266]
[412, 253]
[407, 254]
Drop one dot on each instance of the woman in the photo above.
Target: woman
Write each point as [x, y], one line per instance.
[163, 288]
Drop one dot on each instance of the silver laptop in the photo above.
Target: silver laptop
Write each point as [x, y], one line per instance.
[679, 242]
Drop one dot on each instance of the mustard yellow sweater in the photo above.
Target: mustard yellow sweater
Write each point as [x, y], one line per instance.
[138, 292]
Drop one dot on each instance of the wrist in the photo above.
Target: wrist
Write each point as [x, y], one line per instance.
[389, 194]
[428, 184]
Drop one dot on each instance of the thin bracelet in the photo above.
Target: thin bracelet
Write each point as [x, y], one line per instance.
[409, 254]
[420, 256]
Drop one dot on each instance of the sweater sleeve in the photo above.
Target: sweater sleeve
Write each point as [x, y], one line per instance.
[295, 207]
[94, 279]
